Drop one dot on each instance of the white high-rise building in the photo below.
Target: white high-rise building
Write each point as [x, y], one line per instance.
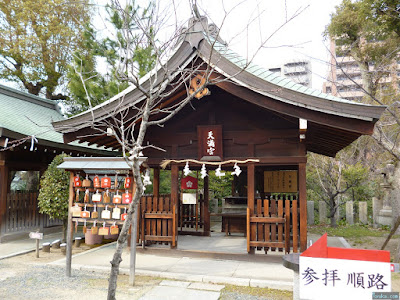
[345, 80]
[297, 70]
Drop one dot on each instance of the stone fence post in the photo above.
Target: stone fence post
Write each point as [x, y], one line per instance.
[310, 212]
[363, 212]
[349, 212]
[322, 212]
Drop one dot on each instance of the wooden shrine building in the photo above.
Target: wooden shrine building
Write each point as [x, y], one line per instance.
[263, 122]
[28, 144]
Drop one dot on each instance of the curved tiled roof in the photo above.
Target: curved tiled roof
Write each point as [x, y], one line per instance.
[24, 114]
[28, 115]
[251, 81]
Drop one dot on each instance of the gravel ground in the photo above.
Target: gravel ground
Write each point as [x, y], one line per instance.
[28, 277]
[23, 278]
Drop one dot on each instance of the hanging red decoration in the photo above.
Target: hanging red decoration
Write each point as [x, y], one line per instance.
[189, 183]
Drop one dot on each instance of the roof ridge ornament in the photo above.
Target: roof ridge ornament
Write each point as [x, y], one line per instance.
[196, 11]
[199, 29]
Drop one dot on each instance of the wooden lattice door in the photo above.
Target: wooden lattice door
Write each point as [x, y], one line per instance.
[273, 225]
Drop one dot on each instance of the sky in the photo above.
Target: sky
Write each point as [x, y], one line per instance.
[301, 37]
[287, 29]
[271, 25]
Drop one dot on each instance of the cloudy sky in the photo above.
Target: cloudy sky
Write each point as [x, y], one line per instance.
[287, 29]
[300, 37]
[273, 23]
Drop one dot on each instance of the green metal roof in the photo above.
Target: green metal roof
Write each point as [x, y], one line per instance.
[93, 165]
[23, 114]
[272, 77]
[29, 115]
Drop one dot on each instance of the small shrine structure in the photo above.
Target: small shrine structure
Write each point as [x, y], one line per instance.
[252, 120]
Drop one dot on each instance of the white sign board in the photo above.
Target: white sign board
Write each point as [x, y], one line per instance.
[36, 235]
[188, 198]
[328, 278]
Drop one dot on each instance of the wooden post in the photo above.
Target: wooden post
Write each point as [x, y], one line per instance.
[207, 224]
[134, 230]
[250, 202]
[3, 192]
[174, 198]
[303, 206]
[156, 182]
[174, 227]
[37, 247]
[174, 184]
[248, 229]
[70, 227]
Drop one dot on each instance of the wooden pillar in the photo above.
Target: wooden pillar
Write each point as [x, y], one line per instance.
[207, 222]
[174, 184]
[156, 182]
[303, 207]
[4, 188]
[70, 228]
[250, 203]
[174, 197]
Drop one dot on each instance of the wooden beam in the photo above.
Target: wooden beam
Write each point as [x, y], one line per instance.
[157, 238]
[267, 220]
[267, 244]
[347, 124]
[158, 216]
[303, 207]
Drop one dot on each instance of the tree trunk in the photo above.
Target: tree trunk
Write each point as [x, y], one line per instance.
[333, 221]
[332, 212]
[115, 262]
[367, 80]
[395, 193]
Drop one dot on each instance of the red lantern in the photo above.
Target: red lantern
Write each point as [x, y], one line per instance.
[126, 198]
[77, 181]
[106, 182]
[96, 182]
[128, 182]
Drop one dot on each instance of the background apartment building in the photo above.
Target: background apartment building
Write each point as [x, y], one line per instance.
[297, 70]
[345, 81]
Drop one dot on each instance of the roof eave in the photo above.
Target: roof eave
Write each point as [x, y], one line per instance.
[242, 77]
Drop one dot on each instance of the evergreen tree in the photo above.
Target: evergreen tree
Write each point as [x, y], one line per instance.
[37, 38]
[85, 79]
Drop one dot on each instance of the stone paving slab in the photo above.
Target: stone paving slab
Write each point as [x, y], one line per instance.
[206, 286]
[255, 270]
[182, 284]
[179, 293]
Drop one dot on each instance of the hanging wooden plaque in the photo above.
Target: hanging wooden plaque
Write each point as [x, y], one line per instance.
[210, 142]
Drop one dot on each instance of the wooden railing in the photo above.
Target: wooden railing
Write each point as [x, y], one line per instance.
[273, 225]
[191, 216]
[22, 213]
[157, 221]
